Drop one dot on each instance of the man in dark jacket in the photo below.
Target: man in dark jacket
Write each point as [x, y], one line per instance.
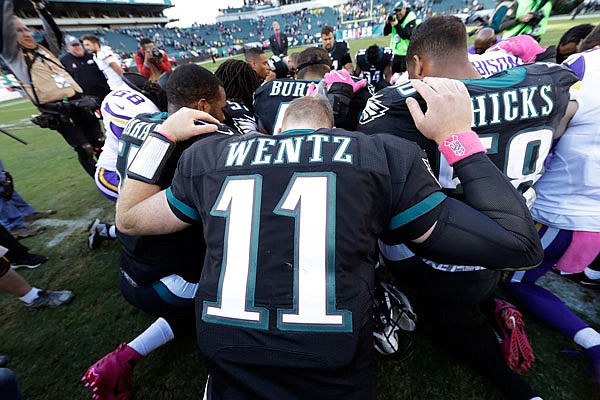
[278, 41]
[80, 64]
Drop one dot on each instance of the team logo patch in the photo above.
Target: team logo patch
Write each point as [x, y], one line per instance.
[455, 145]
[373, 110]
[244, 124]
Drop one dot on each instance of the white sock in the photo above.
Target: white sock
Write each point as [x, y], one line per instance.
[30, 296]
[536, 398]
[591, 273]
[112, 232]
[587, 337]
[153, 337]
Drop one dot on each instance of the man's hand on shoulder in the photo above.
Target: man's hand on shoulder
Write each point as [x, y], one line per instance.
[449, 108]
[184, 124]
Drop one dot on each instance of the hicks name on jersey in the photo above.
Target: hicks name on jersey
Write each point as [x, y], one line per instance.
[288, 150]
[488, 109]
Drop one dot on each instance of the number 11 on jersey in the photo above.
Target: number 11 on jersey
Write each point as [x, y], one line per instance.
[310, 200]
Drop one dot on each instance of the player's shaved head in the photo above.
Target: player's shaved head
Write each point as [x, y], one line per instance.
[253, 54]
[313, 62]
[438, 47]
[439, 38]
[319, 109]
[484, 40]
[190, 83]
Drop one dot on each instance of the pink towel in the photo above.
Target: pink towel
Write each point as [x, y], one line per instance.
[523, 46]
[583, 249]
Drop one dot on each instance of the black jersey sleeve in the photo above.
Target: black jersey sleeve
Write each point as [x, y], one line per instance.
[180, 195]
[501, 235]
[415, 192]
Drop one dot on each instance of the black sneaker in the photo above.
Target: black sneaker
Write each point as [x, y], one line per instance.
[50, 298]
[28, 260]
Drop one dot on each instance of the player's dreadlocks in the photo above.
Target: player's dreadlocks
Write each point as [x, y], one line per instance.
[240, 81]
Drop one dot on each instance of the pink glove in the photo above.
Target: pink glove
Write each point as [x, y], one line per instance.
[523, 46]
[343, 76]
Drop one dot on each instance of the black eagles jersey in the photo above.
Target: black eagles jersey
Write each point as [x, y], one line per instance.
[272, 99]
[340, 55]
[273, 206]
[240, 118]
[149, 258]
[515, 114]
[374, 73]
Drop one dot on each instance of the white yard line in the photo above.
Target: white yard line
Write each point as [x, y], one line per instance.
[70, 226]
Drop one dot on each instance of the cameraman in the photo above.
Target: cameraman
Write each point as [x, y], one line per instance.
[400, 24]
[151, 61]
[526, 17]
[49, 86]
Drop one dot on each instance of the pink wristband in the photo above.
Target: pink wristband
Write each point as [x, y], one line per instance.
[461, 145]
[165, 136]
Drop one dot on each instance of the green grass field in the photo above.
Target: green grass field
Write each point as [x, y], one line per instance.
[52, 348]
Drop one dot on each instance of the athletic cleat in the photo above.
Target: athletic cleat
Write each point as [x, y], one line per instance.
[110, 377]
[511, 334]
[51, 298]
[94, 237]
[28, 260]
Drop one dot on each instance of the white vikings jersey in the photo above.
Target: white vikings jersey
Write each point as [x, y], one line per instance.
[118, 107]
[569, 191]
[103, 59]
[492, 62]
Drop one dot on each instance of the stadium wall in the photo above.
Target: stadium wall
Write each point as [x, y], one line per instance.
[270, 11]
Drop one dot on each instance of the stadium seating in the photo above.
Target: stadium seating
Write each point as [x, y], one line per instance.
[301, 27]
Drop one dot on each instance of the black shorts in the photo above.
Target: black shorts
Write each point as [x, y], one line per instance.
[231, 379]
[444, 299]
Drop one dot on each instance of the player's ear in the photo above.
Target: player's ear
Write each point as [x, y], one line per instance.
[203, 105]
[415, 67]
